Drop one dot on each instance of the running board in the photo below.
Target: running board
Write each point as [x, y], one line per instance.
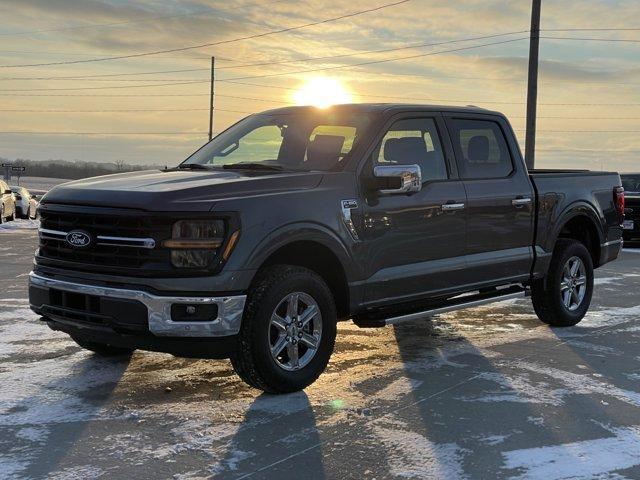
[456, 303]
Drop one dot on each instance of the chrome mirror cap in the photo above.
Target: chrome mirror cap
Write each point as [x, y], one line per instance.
[410, 178]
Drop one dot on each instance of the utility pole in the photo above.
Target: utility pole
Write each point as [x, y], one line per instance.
[212, 93]
[532, 85]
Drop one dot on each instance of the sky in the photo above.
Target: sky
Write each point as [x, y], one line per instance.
[588, 100]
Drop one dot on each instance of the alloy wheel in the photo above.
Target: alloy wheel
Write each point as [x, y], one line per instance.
[573, 286]
[295, 331]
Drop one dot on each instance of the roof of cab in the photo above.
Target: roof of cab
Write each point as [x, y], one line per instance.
[384, 108]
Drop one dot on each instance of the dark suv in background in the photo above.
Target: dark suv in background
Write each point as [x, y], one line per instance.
[631, 184]
[296, 218]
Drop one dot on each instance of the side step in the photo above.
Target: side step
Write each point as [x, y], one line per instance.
[459, 302]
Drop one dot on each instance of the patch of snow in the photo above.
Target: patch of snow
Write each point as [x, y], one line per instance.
[586, 459]
[581, 383]
[411, 455]
[398, 389]
[605, 280]
[517, 388]
[593, 347]
[610, 317]
[538, 421]
[20, 225]
[10, 466]
[80, 472]
[494, 439]
[33, 434]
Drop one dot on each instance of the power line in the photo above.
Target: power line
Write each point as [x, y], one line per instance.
[283, 62]
[589, 29]
[361, 95]
[221, 42]
[124, 110]
[129, 22]
[336, 67]
[581, 131]
[594, 39]
[24, 132]
[269, 63]
[376, 62]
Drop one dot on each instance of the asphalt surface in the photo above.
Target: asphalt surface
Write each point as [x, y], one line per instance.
[484, 393]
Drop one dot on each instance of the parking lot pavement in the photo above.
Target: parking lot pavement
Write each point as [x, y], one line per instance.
[483, 393]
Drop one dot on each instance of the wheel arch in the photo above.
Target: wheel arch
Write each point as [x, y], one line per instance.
[580, 221]
[314, 247]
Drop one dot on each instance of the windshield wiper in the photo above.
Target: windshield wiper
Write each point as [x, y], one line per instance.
[193, 166]
[252, 166]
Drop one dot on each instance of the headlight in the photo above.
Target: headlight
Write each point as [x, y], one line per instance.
[195, 243]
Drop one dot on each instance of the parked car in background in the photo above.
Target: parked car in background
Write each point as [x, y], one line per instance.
[7, 203]
[26, 203]
[631, 184]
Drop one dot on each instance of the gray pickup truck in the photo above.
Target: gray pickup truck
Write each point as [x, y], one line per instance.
[294, 219]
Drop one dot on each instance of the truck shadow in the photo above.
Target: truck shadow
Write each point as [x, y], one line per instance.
[464, 405]
[66, 408]
[274, 427]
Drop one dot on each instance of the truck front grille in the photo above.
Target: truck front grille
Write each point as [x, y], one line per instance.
[120, 242]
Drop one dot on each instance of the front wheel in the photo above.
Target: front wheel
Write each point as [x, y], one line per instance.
[288, 330]
[563, 297]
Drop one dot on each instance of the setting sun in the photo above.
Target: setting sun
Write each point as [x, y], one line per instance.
[322, 92]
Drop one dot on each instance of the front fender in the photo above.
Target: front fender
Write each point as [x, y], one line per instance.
[303, 231]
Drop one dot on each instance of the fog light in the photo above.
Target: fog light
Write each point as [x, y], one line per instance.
[206, 312]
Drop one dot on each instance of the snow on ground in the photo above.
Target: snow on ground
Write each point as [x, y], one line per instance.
[484, 393]
[19, 224]
[586, 459]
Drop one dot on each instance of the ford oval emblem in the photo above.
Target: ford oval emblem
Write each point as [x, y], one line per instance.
[78, 239]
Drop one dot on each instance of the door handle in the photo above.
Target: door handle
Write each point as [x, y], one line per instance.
[449, 207]
[521, 202]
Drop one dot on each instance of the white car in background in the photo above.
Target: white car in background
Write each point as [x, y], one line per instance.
[26, 204]
[7, 203]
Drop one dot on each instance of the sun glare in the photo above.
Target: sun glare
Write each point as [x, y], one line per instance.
[322, 92]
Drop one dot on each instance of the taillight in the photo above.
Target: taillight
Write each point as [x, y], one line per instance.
[618, 199]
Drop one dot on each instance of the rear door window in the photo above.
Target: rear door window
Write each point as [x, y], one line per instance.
[481, 149]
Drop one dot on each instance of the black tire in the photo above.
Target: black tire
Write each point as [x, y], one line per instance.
[547, 293]
[252, 360]
[103, 349]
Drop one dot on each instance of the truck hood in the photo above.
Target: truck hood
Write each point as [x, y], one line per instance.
[181, 190]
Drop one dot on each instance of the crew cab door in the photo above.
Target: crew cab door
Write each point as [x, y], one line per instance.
[500, 198]
[413, 244]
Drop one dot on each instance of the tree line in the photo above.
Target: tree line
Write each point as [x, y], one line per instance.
[74, 170]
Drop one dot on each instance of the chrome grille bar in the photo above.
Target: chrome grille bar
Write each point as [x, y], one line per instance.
[148, 243]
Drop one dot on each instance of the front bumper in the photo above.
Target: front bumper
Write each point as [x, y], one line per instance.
[97, 307]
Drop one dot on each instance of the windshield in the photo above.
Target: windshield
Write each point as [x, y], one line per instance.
[303, 140]
[631, 183]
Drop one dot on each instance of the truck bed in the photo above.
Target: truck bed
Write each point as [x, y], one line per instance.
[558, 191]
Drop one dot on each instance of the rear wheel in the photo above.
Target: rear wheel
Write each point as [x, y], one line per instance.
[102, 349]
[563, 297]
[288, 330]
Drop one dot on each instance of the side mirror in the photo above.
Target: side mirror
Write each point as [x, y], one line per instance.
[398, 179]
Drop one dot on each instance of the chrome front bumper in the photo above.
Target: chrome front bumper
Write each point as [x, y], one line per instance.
[230, 308]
